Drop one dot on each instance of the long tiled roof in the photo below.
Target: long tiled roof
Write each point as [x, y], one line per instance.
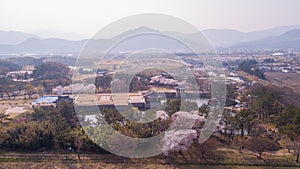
[47, 99]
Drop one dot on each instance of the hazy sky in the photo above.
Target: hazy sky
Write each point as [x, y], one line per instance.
[88, 16]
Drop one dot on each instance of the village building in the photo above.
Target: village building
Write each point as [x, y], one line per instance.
[48, 101]
[111, 100]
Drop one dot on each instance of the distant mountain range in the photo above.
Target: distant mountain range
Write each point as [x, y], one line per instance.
[288, 40]
[14, 37]
[228, 38]
[51, 45]
[275, 38]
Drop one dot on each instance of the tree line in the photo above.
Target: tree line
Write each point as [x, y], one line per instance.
[263, 105]
[250, 66]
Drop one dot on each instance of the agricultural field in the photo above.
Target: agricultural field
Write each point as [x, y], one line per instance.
[15, 107]
[290, 80]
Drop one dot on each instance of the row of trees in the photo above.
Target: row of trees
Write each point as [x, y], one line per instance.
[263, 105]
[6, 66]
[260, 103]
[250, 66]
[288, 123]
[47, 76]
[12, 89]
[46, 129]
[243, 121]
[51, 70]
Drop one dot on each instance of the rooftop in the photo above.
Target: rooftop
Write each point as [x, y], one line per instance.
[46, 99]
[110, 99]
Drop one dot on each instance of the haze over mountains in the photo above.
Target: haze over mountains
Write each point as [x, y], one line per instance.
[227, 37]
[14, 37]
[285, 37]
[288, 40]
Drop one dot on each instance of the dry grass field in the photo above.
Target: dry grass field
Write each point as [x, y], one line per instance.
[15, 107]
[290, 80]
